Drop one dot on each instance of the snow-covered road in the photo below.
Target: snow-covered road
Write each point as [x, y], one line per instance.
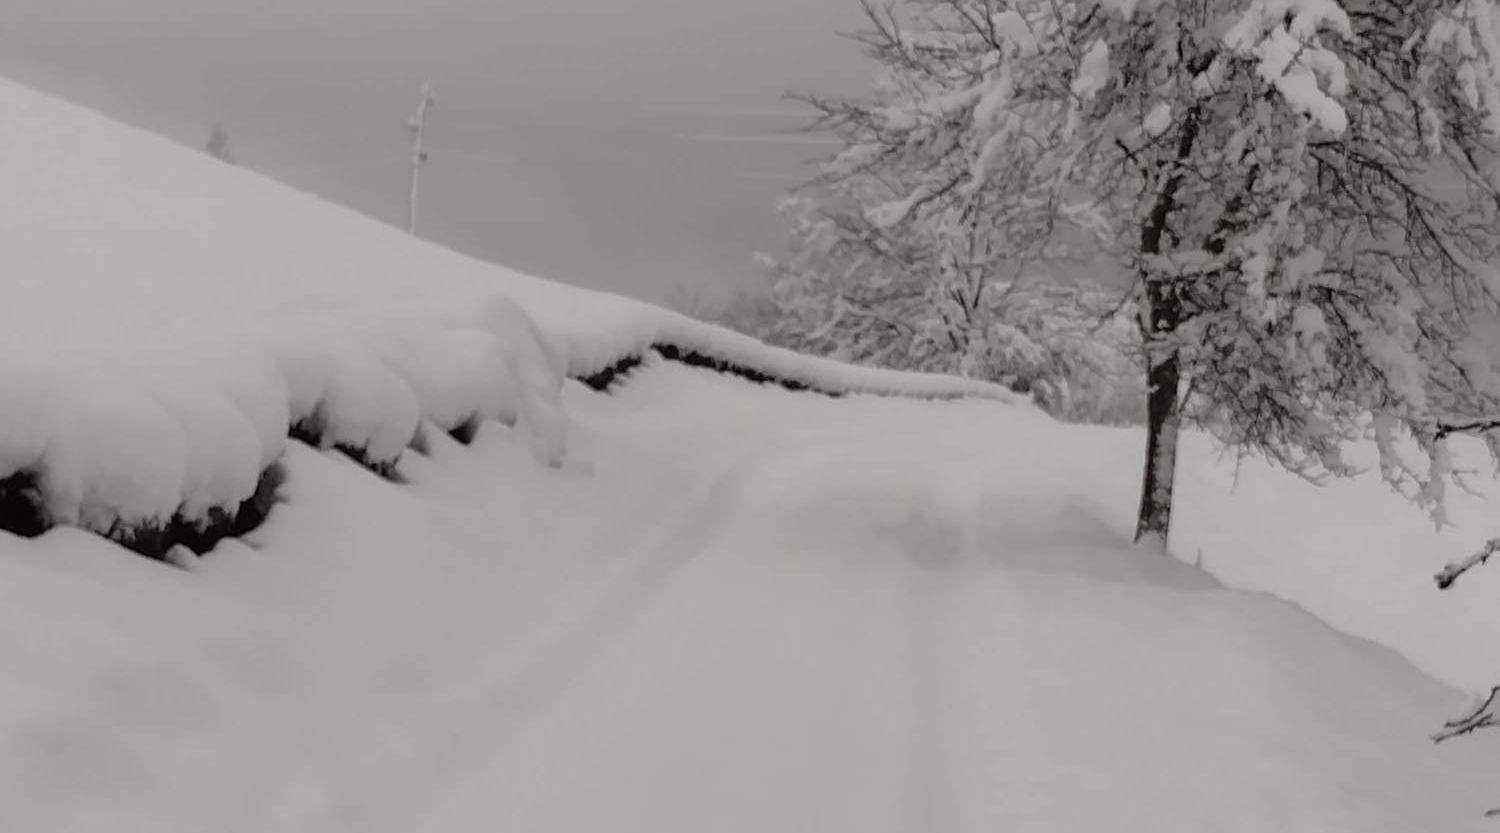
[855, 626]
[733, 609]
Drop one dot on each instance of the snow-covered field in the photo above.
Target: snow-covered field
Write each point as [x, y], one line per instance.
[690, 604]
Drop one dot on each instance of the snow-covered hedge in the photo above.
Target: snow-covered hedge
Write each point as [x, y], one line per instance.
[154, 444]
[678, 338]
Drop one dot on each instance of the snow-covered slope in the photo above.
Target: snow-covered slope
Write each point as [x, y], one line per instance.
[169, 319]
[141, 236]
[692, 604]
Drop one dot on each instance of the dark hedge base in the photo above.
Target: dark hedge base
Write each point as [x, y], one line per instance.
[21, 505]
[22, 513]
[200, 535]
[606, 378]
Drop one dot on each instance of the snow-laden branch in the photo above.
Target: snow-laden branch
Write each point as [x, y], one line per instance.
[1473, 426]
[1450, 573]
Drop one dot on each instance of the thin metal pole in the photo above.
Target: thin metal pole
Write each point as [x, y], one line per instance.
[417, 124]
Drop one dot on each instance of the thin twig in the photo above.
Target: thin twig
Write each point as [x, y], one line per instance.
[1479, 718]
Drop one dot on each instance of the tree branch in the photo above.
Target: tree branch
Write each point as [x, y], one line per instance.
[1475, 426]
[1479, 718]
[1450, 573]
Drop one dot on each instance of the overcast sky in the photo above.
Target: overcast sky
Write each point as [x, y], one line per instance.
[634, 145]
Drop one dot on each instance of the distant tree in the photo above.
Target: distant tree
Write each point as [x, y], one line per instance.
[750, 310]
[1306, 193]
[219, 146]
[689, 301]
[916, 297]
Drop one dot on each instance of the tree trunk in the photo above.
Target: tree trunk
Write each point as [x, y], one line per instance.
[1163, 373]
[1163, 378]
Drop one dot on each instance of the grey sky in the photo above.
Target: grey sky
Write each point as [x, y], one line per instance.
[634, 145]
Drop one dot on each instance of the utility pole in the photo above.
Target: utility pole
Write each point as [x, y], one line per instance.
[417, 124]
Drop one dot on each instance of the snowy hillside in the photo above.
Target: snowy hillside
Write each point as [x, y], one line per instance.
[141, 237]
[690, 603]
[171, 319]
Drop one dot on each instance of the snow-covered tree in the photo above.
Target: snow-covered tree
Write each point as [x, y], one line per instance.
[918, 297]
[1306, 193]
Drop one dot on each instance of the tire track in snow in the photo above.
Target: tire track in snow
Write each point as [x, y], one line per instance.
[928, 794]
[467, 728]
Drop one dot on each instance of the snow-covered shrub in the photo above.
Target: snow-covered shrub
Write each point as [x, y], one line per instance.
[165, 443]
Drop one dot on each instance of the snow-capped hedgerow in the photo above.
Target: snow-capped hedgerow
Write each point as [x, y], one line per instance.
[178, 436]
[1305, 191]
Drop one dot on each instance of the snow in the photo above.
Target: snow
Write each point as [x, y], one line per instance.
[1158, 120]
[860, 614]
[1124, 8]
[1354, 552]
[1471, 28]
[691, 604]
[1093, 71]
[1283, 36]
[180, 429]
[170, 317]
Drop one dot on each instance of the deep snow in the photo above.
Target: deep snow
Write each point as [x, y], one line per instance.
[699, 604]
[734, 608]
